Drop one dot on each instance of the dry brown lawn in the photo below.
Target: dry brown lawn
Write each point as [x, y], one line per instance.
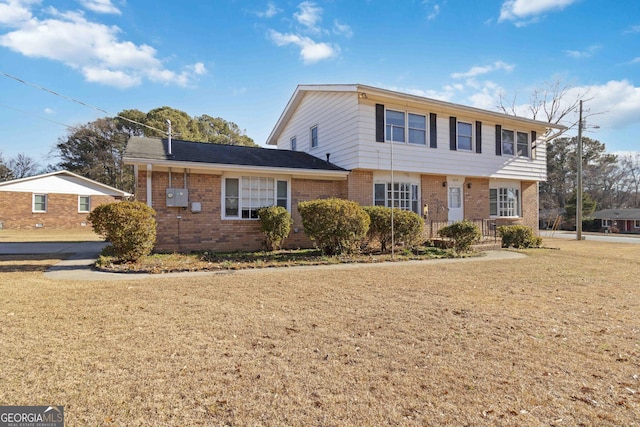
[48, 235]
[549, 340]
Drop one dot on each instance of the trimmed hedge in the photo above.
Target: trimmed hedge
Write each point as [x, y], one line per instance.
[463, 234]
[336, 225]
[275, 224]
[407, 226]
[130, 227]
[518, 236]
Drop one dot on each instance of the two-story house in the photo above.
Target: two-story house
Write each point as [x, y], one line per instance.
[445, 161]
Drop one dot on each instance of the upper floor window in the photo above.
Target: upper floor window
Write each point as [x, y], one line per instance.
[515, 143]
[244, 196]
[404, 195]
[84, 203]
[294, 144]
[314, 136]
[465, 136]
[395, 126]
[39, 203]
[409, 127]
[417, 129]
[504, 201]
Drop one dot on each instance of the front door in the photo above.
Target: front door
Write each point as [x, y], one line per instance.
[456, 208]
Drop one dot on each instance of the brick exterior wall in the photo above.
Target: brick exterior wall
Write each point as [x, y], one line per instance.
[435, 196]
[360, 187]
[16, 211]
[179, 229]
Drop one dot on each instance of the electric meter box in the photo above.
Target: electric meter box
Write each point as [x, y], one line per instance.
[177, 197]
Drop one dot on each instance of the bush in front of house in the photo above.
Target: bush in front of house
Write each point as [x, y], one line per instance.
[407, 226]
[463, 234]
[336, 225]
[518, 236]
[130, 227]
[275, 224]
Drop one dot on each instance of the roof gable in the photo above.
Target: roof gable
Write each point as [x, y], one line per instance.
[61, 182]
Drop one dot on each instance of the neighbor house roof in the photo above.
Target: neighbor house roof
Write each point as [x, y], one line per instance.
[201, 155]
[61, 182]
[621, 214]
[365, 92]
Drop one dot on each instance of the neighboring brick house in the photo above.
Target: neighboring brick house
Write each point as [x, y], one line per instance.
[619, 220]
[60, 200]
[444, 161]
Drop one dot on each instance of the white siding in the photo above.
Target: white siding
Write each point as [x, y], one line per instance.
[336, 115]
[59, 184]
[442, 160]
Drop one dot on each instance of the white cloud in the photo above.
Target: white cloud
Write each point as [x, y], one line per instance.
[342, 29]
[15, 11]
[269, 12]
[617, 100]
[100, 6]
[633, 29]
[310, 15]
[48, 110]
[479, 70]
[433, 10]
[95, 49]
[635, 60]
[521, 10]
[310, 51]
[579, 54]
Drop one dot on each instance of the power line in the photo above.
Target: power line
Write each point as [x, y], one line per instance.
[79, 102]
[37, 116]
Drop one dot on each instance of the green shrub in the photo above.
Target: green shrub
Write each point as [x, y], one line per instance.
[407, 226]
[130, 227]
[463, 234]
[275, 224]
[336, 225]
[518, 236]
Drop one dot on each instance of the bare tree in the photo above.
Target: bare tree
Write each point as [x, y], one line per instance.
[5, 172]
[23, 166]
[630, 168]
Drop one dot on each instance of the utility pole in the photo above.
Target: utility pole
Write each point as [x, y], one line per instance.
[579, 180]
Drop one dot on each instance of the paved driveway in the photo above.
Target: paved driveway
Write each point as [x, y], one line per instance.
[611, 238]
[37, 248]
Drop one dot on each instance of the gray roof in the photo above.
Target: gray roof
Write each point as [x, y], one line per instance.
[140, 148]
[617, 214]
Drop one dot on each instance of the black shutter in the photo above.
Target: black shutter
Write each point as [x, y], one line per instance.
[452, 133]
[534, 136]
[379, 123]
[433, 131]
[498, 140]
[478, 137]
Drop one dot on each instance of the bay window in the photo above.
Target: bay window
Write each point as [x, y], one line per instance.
[504, 202]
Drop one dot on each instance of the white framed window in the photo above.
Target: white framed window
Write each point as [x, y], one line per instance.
[84, 204]
[504, 202]
[515, 143]
[507, 142]
[523, 144]
[294, 144]
[243, 196]
[465, 136]
[404, 195]
[417, 129]
[39, 203]
[314, 137]
[405, 127]
[395, 126]
[636, 223]
[606, 223]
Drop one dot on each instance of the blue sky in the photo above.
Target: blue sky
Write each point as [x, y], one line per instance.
[241, 60]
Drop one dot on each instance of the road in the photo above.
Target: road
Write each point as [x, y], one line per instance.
[611, 238]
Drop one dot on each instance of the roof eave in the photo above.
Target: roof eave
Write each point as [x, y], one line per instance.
[222, 167]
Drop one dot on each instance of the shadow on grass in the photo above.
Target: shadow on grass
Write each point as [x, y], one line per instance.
[23, 263]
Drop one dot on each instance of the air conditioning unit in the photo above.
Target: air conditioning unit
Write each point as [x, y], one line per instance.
[177, 197]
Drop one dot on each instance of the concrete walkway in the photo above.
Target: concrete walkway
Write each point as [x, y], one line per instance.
[79, 264]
